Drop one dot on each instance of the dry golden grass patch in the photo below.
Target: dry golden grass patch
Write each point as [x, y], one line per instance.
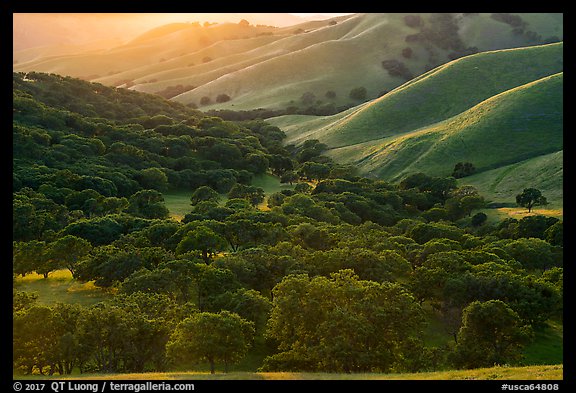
[543, 373]
[519, 213]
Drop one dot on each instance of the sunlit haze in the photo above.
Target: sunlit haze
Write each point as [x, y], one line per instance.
[105, 29]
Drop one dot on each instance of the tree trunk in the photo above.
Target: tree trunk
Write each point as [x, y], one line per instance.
[212, 370]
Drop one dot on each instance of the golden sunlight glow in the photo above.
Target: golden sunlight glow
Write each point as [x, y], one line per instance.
[41, 29]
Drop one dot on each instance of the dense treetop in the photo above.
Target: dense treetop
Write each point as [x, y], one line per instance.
[305, 280]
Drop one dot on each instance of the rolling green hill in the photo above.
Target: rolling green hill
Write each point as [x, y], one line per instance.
[513, 126]
[494, 109]
[266, 67]
[544, 172]
[345, 56]
[434, 96]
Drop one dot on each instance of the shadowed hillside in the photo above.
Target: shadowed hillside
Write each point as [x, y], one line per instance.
[543, 172]
[518, 124]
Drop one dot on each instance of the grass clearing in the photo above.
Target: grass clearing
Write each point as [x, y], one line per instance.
[270, 184]
[519, 213]
[178, 201]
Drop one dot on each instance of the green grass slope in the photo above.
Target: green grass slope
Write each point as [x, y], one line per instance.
[503, 184]
[434, 96]
[513, 126]
[272, 67]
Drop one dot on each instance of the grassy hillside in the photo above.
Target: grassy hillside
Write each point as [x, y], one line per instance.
[501, 185]
[342, 57]
[259, 66]
[513, 126]
[434, 96]
[498, 110]
[317, 61]
[543, 172]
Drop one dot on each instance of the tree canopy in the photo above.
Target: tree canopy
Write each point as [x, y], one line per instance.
[335, 273]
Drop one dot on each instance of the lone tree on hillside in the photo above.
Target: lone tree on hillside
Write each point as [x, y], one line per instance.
[531, 197]
[463, 169]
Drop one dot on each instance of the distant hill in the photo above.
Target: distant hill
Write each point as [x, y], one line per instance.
[42, 30]
[256, 66]
[431, 89]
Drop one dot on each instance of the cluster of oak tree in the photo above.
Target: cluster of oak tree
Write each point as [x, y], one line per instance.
[339, 273]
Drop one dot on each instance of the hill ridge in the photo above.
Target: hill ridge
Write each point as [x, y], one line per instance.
[444, 131]
[408, 109]
[337, 54]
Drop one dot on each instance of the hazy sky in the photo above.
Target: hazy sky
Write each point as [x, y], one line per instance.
[306, 15]
[41, 29]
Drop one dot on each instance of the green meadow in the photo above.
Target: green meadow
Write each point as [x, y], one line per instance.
[61, 287]
[178, 201]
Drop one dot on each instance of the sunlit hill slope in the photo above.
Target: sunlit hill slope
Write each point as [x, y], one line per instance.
[263, 66]
[492, 109]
